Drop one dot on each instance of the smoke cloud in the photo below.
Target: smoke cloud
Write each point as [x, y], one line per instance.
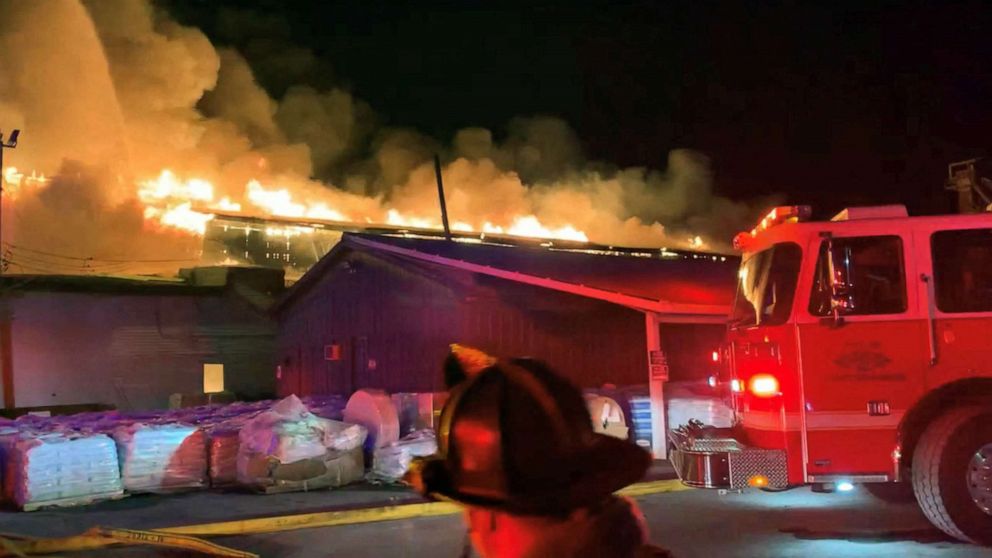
[111, 92]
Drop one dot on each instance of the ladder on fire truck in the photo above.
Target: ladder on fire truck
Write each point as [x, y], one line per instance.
[968, 179]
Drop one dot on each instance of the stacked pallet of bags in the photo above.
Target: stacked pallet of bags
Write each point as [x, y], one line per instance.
[161, 458]
[59, 469]
[287, 448]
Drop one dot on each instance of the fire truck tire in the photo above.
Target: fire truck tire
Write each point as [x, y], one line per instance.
[891, 492]
[941, 464]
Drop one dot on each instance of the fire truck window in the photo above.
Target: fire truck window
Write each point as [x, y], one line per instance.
[767, 285]
[876, 275]
[962, 270]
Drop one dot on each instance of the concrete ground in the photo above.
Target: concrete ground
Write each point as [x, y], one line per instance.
[690, 523]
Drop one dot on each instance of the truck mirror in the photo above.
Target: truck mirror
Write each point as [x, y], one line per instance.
[841, 285]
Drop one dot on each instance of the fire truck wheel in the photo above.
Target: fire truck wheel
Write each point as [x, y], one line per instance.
[951, 474]
[891, 492]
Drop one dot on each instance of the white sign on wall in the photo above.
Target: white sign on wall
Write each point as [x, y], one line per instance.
[213, 378]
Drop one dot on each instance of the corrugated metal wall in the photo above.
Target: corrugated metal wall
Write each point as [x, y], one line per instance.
[394, 318]
[134, 350]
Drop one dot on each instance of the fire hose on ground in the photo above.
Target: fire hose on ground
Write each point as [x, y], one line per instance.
[182, 537]
[100, 537]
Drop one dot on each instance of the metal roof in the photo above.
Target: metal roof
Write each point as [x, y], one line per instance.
[661, 281]
[208, 280]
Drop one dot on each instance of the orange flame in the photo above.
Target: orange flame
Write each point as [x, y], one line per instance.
[17, 180]
[186, 204]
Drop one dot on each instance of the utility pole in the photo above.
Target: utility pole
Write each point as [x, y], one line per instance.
[440, 195]
[9, 144]
[6, 338]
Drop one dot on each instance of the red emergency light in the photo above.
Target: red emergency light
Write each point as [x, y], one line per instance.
[764, 385]
[777, 216]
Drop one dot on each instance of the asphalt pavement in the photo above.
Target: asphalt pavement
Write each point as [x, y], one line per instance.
[691, 523]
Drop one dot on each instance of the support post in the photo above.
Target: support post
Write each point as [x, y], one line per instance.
[657, 376]
[6, 343]
[440, 195]
[9, 143]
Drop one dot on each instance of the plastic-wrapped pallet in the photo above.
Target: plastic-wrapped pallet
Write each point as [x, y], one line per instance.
[390, 463]
[43, 470]
[288, 448]
[161, 457]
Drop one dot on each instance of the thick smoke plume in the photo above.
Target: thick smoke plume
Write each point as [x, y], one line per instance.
[111, 92]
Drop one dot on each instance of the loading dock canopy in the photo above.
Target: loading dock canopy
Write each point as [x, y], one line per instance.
[664, 282]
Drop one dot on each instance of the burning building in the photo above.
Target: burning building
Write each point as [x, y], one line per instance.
[379, 311]
[169, 153]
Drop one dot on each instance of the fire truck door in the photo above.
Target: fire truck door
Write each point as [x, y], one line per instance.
[860, 371]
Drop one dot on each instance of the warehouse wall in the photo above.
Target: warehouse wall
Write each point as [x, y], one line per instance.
[134, 350]
[394, 318]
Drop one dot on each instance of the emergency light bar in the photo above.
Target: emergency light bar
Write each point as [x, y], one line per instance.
[777, 216]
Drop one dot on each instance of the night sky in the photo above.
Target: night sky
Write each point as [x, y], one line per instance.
[832, 104]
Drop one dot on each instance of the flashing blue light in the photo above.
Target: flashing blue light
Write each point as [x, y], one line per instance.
[845, 486]
[712, 381]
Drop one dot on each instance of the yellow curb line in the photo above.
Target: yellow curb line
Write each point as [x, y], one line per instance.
[369, 515]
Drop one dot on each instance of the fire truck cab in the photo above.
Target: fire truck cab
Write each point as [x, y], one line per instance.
[859, 352]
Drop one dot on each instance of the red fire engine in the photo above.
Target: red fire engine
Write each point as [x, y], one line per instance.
[860, 352]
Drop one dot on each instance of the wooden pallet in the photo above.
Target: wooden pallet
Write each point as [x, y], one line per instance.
[77, 501]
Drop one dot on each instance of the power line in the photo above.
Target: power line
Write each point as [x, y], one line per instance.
[85, 266]
[93, 258]
[14, 263]
[44, 267]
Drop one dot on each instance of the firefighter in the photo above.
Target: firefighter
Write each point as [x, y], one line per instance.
[516, 447]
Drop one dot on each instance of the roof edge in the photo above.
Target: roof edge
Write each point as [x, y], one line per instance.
[663, 307]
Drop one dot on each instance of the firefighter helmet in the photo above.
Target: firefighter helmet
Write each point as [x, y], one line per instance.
[517, 437]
